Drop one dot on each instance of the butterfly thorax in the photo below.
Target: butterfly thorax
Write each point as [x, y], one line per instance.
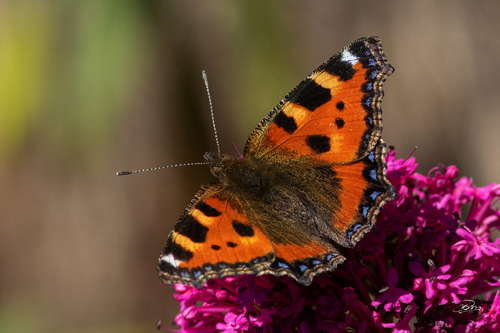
[245, 175]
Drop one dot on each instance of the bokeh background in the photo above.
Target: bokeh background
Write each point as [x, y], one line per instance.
[90, 87]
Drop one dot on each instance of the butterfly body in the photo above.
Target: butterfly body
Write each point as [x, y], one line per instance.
[297, 195]
[311, 181]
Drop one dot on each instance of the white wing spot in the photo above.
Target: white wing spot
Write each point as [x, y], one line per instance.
[349, 57]
[170, 259]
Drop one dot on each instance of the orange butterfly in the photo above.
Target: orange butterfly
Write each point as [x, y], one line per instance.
[311, 181]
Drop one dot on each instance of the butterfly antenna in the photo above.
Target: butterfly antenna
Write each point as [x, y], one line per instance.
[176, 165]
[212, 113]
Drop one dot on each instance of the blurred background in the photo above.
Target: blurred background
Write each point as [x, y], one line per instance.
[90, 87]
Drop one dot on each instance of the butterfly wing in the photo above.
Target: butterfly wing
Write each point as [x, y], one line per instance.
[303, 262]
[334, 114]
[334, 117]
[213, 240]
[365, 189]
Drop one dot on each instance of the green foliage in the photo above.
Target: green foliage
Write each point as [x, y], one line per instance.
[25, 39]
[67, 72]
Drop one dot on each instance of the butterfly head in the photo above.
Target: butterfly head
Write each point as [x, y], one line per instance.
[217, 163]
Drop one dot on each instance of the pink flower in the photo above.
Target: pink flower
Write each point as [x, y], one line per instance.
[423, 260]
[475, 246]
[403, 326]
[392, 297]
[233, 323]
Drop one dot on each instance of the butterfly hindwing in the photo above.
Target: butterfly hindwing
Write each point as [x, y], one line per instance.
[213, 239]
[366, 189]
[303, 262]
[334, 114]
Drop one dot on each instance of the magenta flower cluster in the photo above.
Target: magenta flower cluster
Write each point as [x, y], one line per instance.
[429, 265]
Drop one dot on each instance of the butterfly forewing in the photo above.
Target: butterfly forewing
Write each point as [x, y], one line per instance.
[334, 114]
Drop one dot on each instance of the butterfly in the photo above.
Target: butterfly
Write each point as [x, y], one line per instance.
[310, 182]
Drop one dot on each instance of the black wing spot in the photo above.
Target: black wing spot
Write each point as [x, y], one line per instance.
[165, 266]
[339, 122]
[231, 244]
[311, 95]
[318, 143]
[243, 230]
[340, 106]
[285, 122]
[192, 229]
[207, 210]
[215, 247]
[340, 68]
[361, 51]
[178, 251]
